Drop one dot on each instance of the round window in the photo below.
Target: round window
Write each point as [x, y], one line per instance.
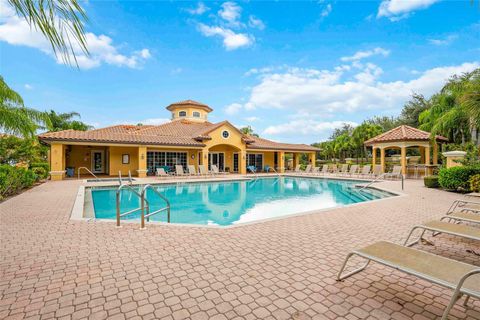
[225, 134]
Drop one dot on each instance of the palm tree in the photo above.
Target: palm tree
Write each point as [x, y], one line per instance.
[248, 131]
[64, 121]
[471, 103]
[60, 21]
[15, 118]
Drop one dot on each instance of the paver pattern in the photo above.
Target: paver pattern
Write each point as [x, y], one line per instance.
[53, 267]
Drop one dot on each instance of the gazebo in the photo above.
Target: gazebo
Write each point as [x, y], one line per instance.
[404, 137]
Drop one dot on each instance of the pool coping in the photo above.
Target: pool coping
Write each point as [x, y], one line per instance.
[79, 205]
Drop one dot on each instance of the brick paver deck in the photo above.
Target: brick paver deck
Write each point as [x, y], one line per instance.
[52, 267]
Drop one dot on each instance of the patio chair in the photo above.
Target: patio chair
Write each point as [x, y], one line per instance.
[396, 172]
[366, 170]
[215, 171]
[324, 169]
[202, 171]
[333, 169]
[308, 168]
[437, 227]
[315, 171]
[252, 169]
[191, 170]
[343, 169]
[179, 172]
[297, 169]
[161, 173]
[266, 168]
[461, 277]
[377, 170]
[464, 206]
[462, 217]
[353, 170]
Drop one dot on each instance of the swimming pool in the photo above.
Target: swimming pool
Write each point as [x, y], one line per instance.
[225, 203]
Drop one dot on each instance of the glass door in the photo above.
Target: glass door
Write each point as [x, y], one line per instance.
[98, 163]
[235, 162]
[218, 159]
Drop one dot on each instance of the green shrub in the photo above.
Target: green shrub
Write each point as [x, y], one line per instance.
[13, 179]
[431, 181]
[40, 172]
[475, 183]
[457, 178]
[43, 165]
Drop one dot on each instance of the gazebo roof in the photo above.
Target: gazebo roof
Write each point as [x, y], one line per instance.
[403, 133]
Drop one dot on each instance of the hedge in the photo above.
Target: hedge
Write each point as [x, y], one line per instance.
[431, 181]
[14, 179]
[457, 178]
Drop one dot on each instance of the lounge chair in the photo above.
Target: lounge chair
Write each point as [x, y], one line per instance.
[191, 170]
[315, 171]
[461, 277]
[353, 170]
[179, 172]
[462, 217]
[308, 168]
[297, 169]
[464, 206]
[436, 227]
[396, 172]
[333, 169]
[343, 169]
[366, 170]
[252, 169]
[161, 173]
[215, 170]
[324, 169]
[202, 171]
[377, 170]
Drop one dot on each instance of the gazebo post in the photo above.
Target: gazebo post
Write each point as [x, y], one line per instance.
[382, 159]
[374, 156]
[435, 153]
[404, 160]
[427, 155]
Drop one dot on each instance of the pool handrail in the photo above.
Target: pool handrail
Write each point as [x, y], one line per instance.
[149, 214]
[88, 170]
[117, 202]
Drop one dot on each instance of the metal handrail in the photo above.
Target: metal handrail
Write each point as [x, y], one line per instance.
[149, 214]
[117, 201]
[278, 174]
[78, 171]
[379, 177]
[130, 180]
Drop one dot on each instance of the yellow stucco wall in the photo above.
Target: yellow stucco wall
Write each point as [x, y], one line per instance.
[116, 160]
[57, 161]
[189, 111]
[81, 156]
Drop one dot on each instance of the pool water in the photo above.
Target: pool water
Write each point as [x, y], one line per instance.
[225, 203]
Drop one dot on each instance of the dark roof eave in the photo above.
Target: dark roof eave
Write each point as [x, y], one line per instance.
[120, 142]
[438, 138]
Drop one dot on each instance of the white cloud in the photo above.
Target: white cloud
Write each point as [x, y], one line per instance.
[254, 22]
[326, 11]
[199, 10]
[233, 108]
[16, 31]
[399, 9]
[252, 119]
[230, 12]
[444, 41]
[325, 93]
[231, 40]
[359, 55]
[28, 86]
[305, 127]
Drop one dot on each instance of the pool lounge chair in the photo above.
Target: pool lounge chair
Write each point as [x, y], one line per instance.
[161, 173]
[202, 171]
[462, 217]
[315, 171]
[436, 227]
[307, 170]
[191, 171]
[179, 172]
[297, 169]
[461, 277]
[396, 172]
[215, 171]
[343, 169]
[252, 169]
[366, 171]
[353, 170]
[324, 169]
[377, 170]
[333, 169]
[464, 206]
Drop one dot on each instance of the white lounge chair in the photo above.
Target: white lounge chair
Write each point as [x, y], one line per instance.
[366, 170]
[396, 172]
[343, 169]
[297, 169]
[437, 227]
[308, 168]
[179, 172]
[315, 171]
[461, 277]
[202, 170]
[353, 170]
[161, 173]
[214, 170]
[377, 170]
[191, 170]
[324, 169]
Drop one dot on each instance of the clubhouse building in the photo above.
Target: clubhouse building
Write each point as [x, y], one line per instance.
[188, 139]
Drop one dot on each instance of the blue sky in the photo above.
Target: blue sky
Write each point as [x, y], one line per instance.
[292, 70]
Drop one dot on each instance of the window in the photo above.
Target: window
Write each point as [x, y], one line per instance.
[182, 114]
[125, 158]
[255, 159]
[156, 159]
[196, 114]
[225, 134]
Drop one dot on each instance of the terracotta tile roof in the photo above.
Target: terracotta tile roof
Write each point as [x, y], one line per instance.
[189, 103]
[403, 133]
[260, 143]
[174, 133]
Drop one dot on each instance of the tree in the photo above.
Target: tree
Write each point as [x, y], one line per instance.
[15, 118]
[248, 131]
[60, 21]
[63, 121]
[412, 110]
[386, 123]
[361, 134]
